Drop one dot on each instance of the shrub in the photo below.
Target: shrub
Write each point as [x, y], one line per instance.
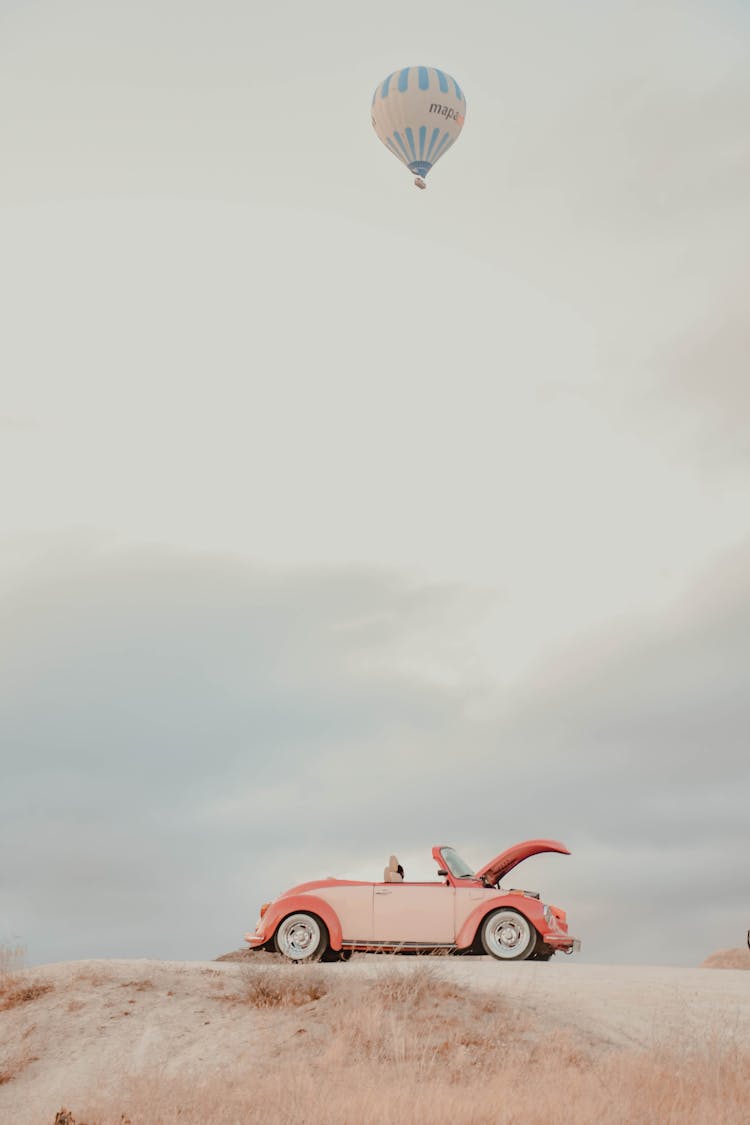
[285, 986]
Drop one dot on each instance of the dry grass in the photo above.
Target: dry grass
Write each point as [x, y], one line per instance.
[514, 1087]
[12, 990]
[12, 1066]
[94, 976]
[422, 986]
[412, 1048]
[17, 993]
[420, 1021]
[11, 960]
[283, 986]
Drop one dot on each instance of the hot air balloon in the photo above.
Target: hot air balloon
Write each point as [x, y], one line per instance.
[418, 113]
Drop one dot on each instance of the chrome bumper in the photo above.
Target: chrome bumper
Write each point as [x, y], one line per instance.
[563, 944]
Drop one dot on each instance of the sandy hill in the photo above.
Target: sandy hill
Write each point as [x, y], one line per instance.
[376, 1040]
[728, 959]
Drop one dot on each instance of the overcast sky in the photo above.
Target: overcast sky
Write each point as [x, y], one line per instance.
[338, 518]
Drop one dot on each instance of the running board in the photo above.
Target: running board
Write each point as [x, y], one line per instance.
[398, 945]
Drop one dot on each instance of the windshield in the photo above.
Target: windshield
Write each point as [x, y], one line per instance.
[458, 867]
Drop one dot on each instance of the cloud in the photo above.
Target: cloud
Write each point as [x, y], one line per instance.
[705, 383]
[185, 735]
[10, 423]
[165, 718]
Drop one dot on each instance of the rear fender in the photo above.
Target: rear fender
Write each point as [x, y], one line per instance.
[530, 908]
[308, 904]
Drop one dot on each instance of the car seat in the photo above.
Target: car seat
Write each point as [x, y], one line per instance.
[391, 873]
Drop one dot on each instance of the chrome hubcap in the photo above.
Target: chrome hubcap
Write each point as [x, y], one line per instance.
[299, 937]
[508, 934]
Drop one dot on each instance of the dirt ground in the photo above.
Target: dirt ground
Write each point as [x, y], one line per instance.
[79, 1030]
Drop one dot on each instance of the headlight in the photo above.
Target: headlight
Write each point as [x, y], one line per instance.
[549, 917]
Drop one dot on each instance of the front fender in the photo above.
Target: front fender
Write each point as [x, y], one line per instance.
[309, 904]
[530, 908]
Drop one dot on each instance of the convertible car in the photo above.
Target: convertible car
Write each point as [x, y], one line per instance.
[463, 911]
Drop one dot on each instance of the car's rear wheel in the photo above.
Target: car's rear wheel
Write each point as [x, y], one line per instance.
[508, 936]
[301, 938]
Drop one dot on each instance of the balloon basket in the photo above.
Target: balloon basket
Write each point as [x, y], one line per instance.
[419, 182]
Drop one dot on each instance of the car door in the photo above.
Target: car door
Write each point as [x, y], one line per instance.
[419, 913]
[468, 898]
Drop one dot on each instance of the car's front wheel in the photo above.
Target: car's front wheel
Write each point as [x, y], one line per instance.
[301, 938]
[507, 935]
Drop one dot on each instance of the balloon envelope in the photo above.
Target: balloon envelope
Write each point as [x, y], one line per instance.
[418, 113]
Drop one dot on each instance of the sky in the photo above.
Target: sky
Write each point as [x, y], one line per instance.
[340, 519]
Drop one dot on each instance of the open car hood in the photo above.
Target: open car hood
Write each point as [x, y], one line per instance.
[499, 867]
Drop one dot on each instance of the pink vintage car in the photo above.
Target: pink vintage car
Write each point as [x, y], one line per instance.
[463, 912]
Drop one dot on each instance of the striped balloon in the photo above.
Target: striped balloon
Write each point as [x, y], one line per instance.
[418, 113]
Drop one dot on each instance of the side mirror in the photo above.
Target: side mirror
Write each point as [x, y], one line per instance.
[441, 872]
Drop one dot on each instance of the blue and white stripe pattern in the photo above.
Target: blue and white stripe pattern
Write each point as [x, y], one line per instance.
[419, 158]
[418, 113]
[426, 77]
